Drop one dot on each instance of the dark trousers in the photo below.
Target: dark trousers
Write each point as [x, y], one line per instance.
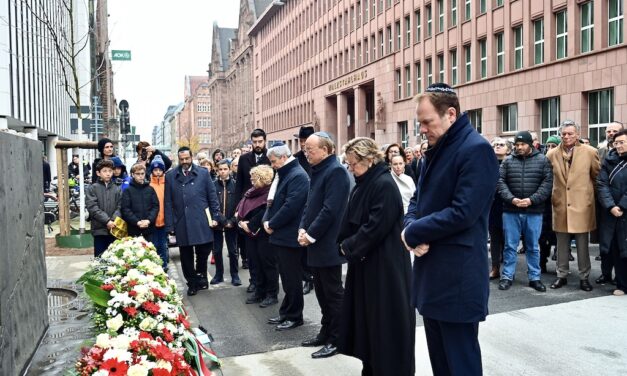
[241, 246]
[160, 240]
[497, 244]
[101, 243]
[230, 236]
[620, 265]
[607, 264]
[307, 276]
[263, 257]
[291, 273]
[330, 293]
[453, 348]
[194, 274]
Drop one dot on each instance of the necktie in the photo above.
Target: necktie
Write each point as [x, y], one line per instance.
[185, 172]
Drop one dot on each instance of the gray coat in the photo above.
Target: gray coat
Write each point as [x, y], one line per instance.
[186, 198]
[103, 204]
[525, 177]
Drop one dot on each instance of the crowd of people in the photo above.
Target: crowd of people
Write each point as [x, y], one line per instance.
[297, 218]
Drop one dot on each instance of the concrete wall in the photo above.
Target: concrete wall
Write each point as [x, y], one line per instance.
[23, 293]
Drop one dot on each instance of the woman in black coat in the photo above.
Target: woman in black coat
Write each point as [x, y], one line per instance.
[612, 191]
[378, 321]
[140, 204]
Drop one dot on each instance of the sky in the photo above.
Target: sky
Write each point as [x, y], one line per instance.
[168, 40]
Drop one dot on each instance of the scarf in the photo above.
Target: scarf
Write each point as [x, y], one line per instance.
[275, 181]
[567, 158]
[253, 198]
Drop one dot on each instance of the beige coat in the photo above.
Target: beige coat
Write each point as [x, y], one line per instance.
[573, 194]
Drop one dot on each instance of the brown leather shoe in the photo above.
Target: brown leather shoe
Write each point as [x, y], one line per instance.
[495, 273]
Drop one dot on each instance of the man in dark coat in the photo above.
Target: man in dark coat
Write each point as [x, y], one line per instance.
[302, 135]
[286, 201]
[318, 230]
[446, 228]
[189, 195]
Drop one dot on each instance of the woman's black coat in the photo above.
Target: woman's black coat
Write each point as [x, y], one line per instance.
[613, 193]
[378, 320]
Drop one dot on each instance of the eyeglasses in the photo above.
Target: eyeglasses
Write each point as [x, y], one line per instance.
[500, 145]
[551, 146]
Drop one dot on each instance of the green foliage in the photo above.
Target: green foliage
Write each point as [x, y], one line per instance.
[97, 295]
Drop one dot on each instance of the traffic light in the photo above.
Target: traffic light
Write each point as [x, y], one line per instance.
[125, 119]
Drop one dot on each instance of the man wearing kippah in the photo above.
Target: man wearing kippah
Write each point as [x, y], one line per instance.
[446, 227]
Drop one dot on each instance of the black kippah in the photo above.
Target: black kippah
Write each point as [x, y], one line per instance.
[440, 87]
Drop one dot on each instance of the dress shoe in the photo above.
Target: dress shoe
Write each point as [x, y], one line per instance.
[325, 352]
[235, 281]
[313, 342]
[251, 288]
[585, 285]
[307, 287]
[254, 299]
[216, 280]
[276, 320]
[505, 284]
[288, 324]
[245, 264]
[202, 284]
[192, 291]
[495, 273]
[602, 280]
[268, 302]
[537, 285]
[560, 282]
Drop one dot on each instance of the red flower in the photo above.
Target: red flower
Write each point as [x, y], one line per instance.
[131, 311]
[150, 307]
[157, 293]
[132, 282]
[115, 367]
[167, 335]
[145, 335]
[182, 320]
[163, 352]
[160, 372]
[132, 293]
[107, 287]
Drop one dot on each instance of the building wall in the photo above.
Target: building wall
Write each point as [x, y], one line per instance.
[310, 64]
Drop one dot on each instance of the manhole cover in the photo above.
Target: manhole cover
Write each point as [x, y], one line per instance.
[60, 297]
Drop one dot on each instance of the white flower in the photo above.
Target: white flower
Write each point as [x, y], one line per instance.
[121, 342]
[133, 274]
[137, 370]
[102, 372]
[102, 341]
[148, 324]
[120, 355]
[164, 364]
[115, 323]
[111, 270]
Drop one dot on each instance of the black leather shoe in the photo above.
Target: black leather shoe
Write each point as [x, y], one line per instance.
[254, 299]
[325, 352]
[602, 280]
[245, 264]
[235, 281]
[251, 288]
[560, 282]
[192, 291]
[288, 324]
[307, 287]
[216, 280]
[203, 284]
[537, 285]
[276, 320]
[505, 284]
[313, 342]
[585, 285]
[268, 302]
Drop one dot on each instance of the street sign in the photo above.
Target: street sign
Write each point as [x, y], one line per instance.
[121, 55]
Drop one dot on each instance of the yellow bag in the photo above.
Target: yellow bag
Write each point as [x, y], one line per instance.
[121, 229]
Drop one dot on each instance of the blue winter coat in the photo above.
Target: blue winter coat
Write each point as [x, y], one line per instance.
[449, 211]
[287, 207]
[326, 203]
[186, 198]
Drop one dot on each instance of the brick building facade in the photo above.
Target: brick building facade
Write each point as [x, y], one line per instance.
[193, 122]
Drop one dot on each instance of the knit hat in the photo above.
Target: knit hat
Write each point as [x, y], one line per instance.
[117, 162]
[524, 136]
[157, 162]
[553, 140]
[101, 144]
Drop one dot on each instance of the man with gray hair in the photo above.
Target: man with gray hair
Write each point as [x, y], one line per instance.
[286, 202]
[575, 169]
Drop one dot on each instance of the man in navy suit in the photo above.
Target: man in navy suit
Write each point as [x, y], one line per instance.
[446, 228]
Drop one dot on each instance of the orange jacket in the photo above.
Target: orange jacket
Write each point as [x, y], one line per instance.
[158, 184]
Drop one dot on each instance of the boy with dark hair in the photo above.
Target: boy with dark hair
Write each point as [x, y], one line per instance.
[140, 204]
[120, 176]
[160, 236]
[103, 203]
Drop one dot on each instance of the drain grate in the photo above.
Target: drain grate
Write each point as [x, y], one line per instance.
[59, 297]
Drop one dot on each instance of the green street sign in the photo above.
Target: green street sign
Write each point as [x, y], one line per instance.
[120, 55]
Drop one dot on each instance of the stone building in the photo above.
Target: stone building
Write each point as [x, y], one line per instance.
[352, 67]
[193, 122]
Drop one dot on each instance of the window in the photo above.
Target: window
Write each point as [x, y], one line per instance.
[407, 31]
[398, 35]
[453, 12]
[408, 81]
[358, 12]
[484, 58]
[441, 68]
[454, 67]
[366, 51]
[440, 16]
[561, 36]
[429, 72]
[500, 54]
[615, 19]
[467, 12]
[509, 117]
[587, 27]
[600, 114]
[475, 119]
[373, 45]
[418, 72]
[418, 25]
[399, 84]
[482, 6]
[352, 57]
[428, 8]
[518, 48]
[499, 3]
[549, 117]
[359, 57]
[538, 38]
[366, 10]
[389, 33]
[402, 128]
[467, 53]
[382, 44]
